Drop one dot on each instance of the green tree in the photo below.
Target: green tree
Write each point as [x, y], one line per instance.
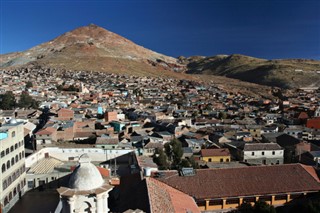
[160, 158]
[263, 207]
[29, 84]
[223, 115]
[259, 207]
[174, 152]
[26, 101]
[7, 101]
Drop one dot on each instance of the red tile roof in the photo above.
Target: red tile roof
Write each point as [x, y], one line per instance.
[214, 152]
[246, 181]
[46, 131]
[313, 123]
[164, 198]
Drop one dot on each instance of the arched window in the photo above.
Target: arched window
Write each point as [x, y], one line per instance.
[14, 192]
[16, 146]
[8, 164]
[3, 168]
[17, 158]
[4, 184]
[7, 151]
[19, 187]
[10, 195]
[6, 201]
[12, 161]
[9, 181]
[2, 154]
[20, 156]
[13, 176]
[13, 134]
[11, 149]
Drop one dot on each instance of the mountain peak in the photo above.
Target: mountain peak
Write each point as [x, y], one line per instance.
[93, 43]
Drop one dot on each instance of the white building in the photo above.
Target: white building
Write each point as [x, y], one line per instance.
[12, 161]
[87, 191]
[262, 153]
[317, 112]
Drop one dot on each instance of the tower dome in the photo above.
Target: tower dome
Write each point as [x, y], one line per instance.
[86, 176]
[13, 121]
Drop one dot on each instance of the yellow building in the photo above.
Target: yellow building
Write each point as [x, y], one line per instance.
[215, 155]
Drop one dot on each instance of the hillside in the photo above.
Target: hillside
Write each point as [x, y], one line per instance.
[94, 48]
[286, 73]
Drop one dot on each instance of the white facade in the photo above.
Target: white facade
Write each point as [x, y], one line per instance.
[73, 154]
[87, 191]
[317, 112]
[12, 161]
[268, 153]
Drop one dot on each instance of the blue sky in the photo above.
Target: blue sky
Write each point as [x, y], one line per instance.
[261, 28]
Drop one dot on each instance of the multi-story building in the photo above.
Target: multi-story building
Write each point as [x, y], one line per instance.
[12, 161]
[262, 153]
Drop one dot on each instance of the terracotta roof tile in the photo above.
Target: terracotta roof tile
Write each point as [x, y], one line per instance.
[164, 198]
[214, 152]
[246, 181]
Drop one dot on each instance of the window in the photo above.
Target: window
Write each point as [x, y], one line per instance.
[8, 164]
[9, 180]
[4, 184]
[2, 154]
[3, 168]
[30, 184]
[278, 162]
[7, 151]
[262, 153]
[16, 146]
[12, 161]
[6, 201]
[227, 160]
[273, 152]
[11, 149]
[13, 134]
[252, 153]
[221, 159]
[17, 158]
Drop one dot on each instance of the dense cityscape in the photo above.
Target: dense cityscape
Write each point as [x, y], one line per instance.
[181, 145]
[180, 106]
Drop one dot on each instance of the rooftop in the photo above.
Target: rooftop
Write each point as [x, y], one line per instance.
[244, 181]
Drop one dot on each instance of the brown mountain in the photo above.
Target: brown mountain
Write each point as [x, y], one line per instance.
[94, 48]
[285, 73]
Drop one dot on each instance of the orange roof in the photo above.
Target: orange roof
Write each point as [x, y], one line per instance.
[245, 181]
[214, 152]
[164, 198]
[46, 131]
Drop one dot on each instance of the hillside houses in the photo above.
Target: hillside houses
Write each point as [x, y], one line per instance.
[216, 128]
